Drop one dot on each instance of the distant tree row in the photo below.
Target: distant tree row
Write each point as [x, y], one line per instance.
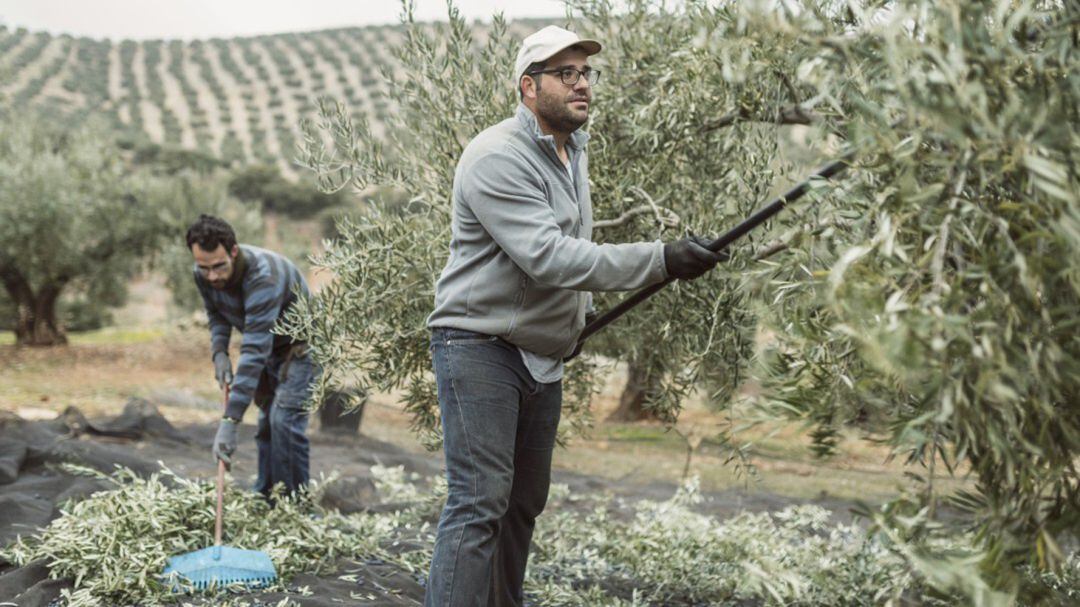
[85, 64]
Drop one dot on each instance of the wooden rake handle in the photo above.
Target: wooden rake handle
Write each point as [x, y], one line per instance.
[220, 490]
[220, 501]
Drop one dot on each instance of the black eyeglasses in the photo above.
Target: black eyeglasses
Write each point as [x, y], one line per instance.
[571, 75]
[217, 268]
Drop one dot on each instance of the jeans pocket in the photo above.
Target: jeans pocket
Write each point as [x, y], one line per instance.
[470, 341]
[295, 391]
[461, 337]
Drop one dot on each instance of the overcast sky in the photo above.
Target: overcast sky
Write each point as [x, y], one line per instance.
[142, 19]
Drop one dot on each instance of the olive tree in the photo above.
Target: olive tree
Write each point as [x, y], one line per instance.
[929, 296]
[941, 308]
[79, 218]
[74, 220]
[665, 125]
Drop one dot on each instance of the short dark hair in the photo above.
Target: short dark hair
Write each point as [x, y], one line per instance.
[209, 232]
[535, 65]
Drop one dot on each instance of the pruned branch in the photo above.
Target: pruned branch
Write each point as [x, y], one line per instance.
[771, 249]
[784, 243]
[788, 86]
[622, 219]
[794, 114]
[664, 216]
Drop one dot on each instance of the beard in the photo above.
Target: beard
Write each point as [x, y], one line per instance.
[557, 113]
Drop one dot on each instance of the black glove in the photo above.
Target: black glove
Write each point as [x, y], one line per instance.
[225, 441]
[222, 369]
[687, 258]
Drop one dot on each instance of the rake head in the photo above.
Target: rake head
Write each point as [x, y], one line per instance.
[220, 566]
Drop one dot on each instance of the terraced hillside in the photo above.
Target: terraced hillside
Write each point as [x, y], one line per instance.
[240, 98]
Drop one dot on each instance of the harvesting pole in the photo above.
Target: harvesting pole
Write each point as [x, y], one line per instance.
[833, 168]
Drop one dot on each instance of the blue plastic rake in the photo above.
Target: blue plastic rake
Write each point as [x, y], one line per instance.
[220, 566]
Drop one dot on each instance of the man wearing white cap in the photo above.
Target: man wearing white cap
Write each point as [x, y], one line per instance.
[509, 306]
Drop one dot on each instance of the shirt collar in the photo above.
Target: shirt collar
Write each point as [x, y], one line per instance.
[528, 120]
[239, 269]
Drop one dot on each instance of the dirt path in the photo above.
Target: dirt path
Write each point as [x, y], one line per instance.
[329, 75]
[289, 107]
[288, 48]
[174, 97]
[5, 61]
[206, 99]
[296, 97]
[151, 113]
[233, 97]
[97, 378]
[114, 87]
[54, 87]
[260, 98]
[117, 93]
[332, 41]
[362, 45]
[55, 49]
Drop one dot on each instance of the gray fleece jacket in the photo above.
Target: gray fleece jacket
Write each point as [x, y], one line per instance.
[522, 262]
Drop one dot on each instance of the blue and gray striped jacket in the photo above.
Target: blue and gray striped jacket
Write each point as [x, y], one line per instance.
[271, 283]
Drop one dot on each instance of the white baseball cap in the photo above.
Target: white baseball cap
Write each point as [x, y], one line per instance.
[543, 44]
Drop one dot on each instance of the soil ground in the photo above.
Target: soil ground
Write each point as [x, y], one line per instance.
[99, 372]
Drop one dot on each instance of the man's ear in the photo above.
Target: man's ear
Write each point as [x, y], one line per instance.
[235, 251]
[528, 87]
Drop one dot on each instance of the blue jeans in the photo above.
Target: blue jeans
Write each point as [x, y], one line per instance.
[280, 434]
[499, 430]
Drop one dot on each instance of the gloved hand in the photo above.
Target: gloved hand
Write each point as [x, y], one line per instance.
[222, 369]
[225, 441]
[687, 258]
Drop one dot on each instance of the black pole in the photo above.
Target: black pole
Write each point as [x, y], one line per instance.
[774, 207]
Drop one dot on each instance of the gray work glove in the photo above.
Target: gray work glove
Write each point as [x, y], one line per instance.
[687, 258]
[225, 441]
[222, 369]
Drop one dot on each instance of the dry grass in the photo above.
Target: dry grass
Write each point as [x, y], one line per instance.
[98, 372]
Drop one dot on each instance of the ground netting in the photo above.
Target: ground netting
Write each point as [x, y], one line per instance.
[37, 479]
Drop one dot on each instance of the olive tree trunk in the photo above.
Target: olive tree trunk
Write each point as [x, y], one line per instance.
[35, 313]
[632, 400]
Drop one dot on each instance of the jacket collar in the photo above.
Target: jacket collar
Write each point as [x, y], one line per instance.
[528, 121]
[239, 270]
